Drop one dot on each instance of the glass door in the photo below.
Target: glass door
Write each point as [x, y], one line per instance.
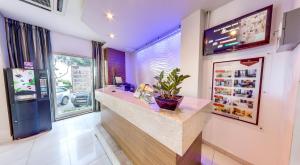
[73, 85]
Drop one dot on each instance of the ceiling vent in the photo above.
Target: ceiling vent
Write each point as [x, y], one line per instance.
[57, 6]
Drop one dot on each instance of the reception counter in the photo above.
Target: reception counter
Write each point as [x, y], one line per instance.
[150, 135]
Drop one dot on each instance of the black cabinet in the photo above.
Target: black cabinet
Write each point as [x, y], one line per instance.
[45, 122]
[29, 103]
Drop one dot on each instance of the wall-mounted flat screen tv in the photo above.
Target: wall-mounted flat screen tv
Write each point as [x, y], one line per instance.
[248, 31]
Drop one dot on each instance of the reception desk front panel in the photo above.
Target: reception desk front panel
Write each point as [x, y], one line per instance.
[146, 132]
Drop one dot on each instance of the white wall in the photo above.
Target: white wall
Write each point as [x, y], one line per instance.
[62, 43]
[260, 144]
[190, 54]
[4, 117]
[130, 68]
[293, 92]
[263, 144]
[295, 150]
[163, 55]
[293, 104]
[296, 4]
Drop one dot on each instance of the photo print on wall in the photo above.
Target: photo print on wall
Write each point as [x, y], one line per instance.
[237, 88]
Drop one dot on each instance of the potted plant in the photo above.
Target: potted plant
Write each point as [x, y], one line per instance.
[168, 89]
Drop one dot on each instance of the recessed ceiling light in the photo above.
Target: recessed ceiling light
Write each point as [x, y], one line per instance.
[109, 16]
[112, 35]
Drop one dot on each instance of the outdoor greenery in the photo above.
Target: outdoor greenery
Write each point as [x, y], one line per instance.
[66, 83]
[168, 86]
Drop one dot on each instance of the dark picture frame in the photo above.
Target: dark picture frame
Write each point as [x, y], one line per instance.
[266, 41]
[249, 99]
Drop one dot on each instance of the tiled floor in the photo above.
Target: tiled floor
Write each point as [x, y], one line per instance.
[73, 142]
[212, 157]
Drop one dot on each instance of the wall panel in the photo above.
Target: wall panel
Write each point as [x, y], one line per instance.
[163, 55]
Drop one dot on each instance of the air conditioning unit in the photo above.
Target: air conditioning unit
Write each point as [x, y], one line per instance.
[290, 36]
[57, 6]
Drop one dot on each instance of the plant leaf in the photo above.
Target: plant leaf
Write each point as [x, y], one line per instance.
[168, 87]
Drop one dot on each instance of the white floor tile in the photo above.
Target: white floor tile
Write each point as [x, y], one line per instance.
[22, 161]
[82, 139]
[75, 128]
[72, 142]
[49, 140]
[82, 155]
[101, 161]
[61, 161]
[93, 120]
[16, 145]
[70, 138]
[16, 152]
[41, 155]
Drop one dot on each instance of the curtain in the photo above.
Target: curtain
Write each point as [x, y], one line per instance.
[27, 43]
[98, 69]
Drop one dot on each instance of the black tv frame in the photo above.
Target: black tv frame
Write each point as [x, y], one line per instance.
[249, 45]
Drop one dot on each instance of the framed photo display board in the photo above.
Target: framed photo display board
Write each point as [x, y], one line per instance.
[237, 88]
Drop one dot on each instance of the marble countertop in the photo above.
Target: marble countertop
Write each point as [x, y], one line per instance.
[175, 129]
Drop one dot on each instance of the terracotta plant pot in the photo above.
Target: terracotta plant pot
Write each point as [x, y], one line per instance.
[169, 104]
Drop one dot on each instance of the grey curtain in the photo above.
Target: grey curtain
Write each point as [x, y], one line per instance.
[98, 71]
[27, 43]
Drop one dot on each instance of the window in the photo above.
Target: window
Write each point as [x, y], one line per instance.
[73, 85]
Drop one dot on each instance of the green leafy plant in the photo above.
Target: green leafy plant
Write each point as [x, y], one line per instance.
[168, 86]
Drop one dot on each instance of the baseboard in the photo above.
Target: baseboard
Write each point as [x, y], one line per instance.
[230, 155]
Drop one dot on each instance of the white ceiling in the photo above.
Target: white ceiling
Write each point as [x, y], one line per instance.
[136, 21]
